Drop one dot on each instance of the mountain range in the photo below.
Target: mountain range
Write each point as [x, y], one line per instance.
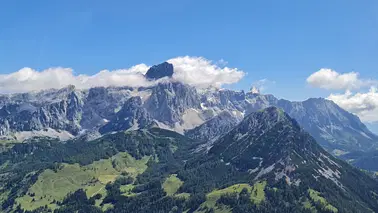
[171, 147]
[70, 112]
[266, 163]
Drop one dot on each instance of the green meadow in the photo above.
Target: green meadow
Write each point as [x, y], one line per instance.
[53, 186]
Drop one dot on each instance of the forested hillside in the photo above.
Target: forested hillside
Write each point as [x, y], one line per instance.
[267, 163]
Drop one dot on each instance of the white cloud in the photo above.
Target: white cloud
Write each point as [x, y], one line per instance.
[27, 79]
[261, 85]
[133, 77]
[195, 71]
[365, 105]
[330, 79]
[200, 72]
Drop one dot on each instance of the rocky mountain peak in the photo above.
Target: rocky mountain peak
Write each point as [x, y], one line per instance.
[160, 71]
[270, 144]
[267, 117]
[180, 107]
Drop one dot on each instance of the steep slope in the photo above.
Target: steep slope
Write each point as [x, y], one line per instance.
[52, 112]
[334, 128]
[269, 145]
[62, 114]
[364, 160]
[270, 141]
[169, 101]
[131, 116]
[214, 127]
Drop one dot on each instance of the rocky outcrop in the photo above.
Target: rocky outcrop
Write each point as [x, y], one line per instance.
[160, 71]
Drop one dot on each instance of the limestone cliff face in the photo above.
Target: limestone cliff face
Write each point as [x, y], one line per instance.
[202, 114]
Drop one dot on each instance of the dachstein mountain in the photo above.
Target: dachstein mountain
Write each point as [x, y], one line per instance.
[199, 113]
[266, 163]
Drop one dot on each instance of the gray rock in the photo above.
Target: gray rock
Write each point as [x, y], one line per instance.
[131, 116]
[160, 71]
[73, 110]
[214, 127]
[169, 101]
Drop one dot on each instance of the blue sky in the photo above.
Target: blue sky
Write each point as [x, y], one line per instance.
[282, 41]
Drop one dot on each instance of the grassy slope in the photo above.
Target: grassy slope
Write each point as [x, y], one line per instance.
[52, 185]
[172, 184]
[257, 196]
[127, 190]
[257, 193]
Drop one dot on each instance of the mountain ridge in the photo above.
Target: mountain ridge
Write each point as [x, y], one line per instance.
[266, 163]
[173, 105]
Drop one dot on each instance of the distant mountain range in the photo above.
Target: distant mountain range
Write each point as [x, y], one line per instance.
[199, 113]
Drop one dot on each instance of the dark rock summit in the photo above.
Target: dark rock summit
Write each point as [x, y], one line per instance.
[160, 71]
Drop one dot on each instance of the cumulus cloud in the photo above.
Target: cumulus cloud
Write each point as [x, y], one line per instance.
[330, 79]
[27, 79]
[133, 77]
[195, 71]
[365, 105]
[200, 72]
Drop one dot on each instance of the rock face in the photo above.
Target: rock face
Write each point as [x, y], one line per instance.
[101, 104]
[333, 127]
[58, 114]
[175, 106]
[168, 102]
[214, 127]
[132, 116]
[67, 109]
[160, 71]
